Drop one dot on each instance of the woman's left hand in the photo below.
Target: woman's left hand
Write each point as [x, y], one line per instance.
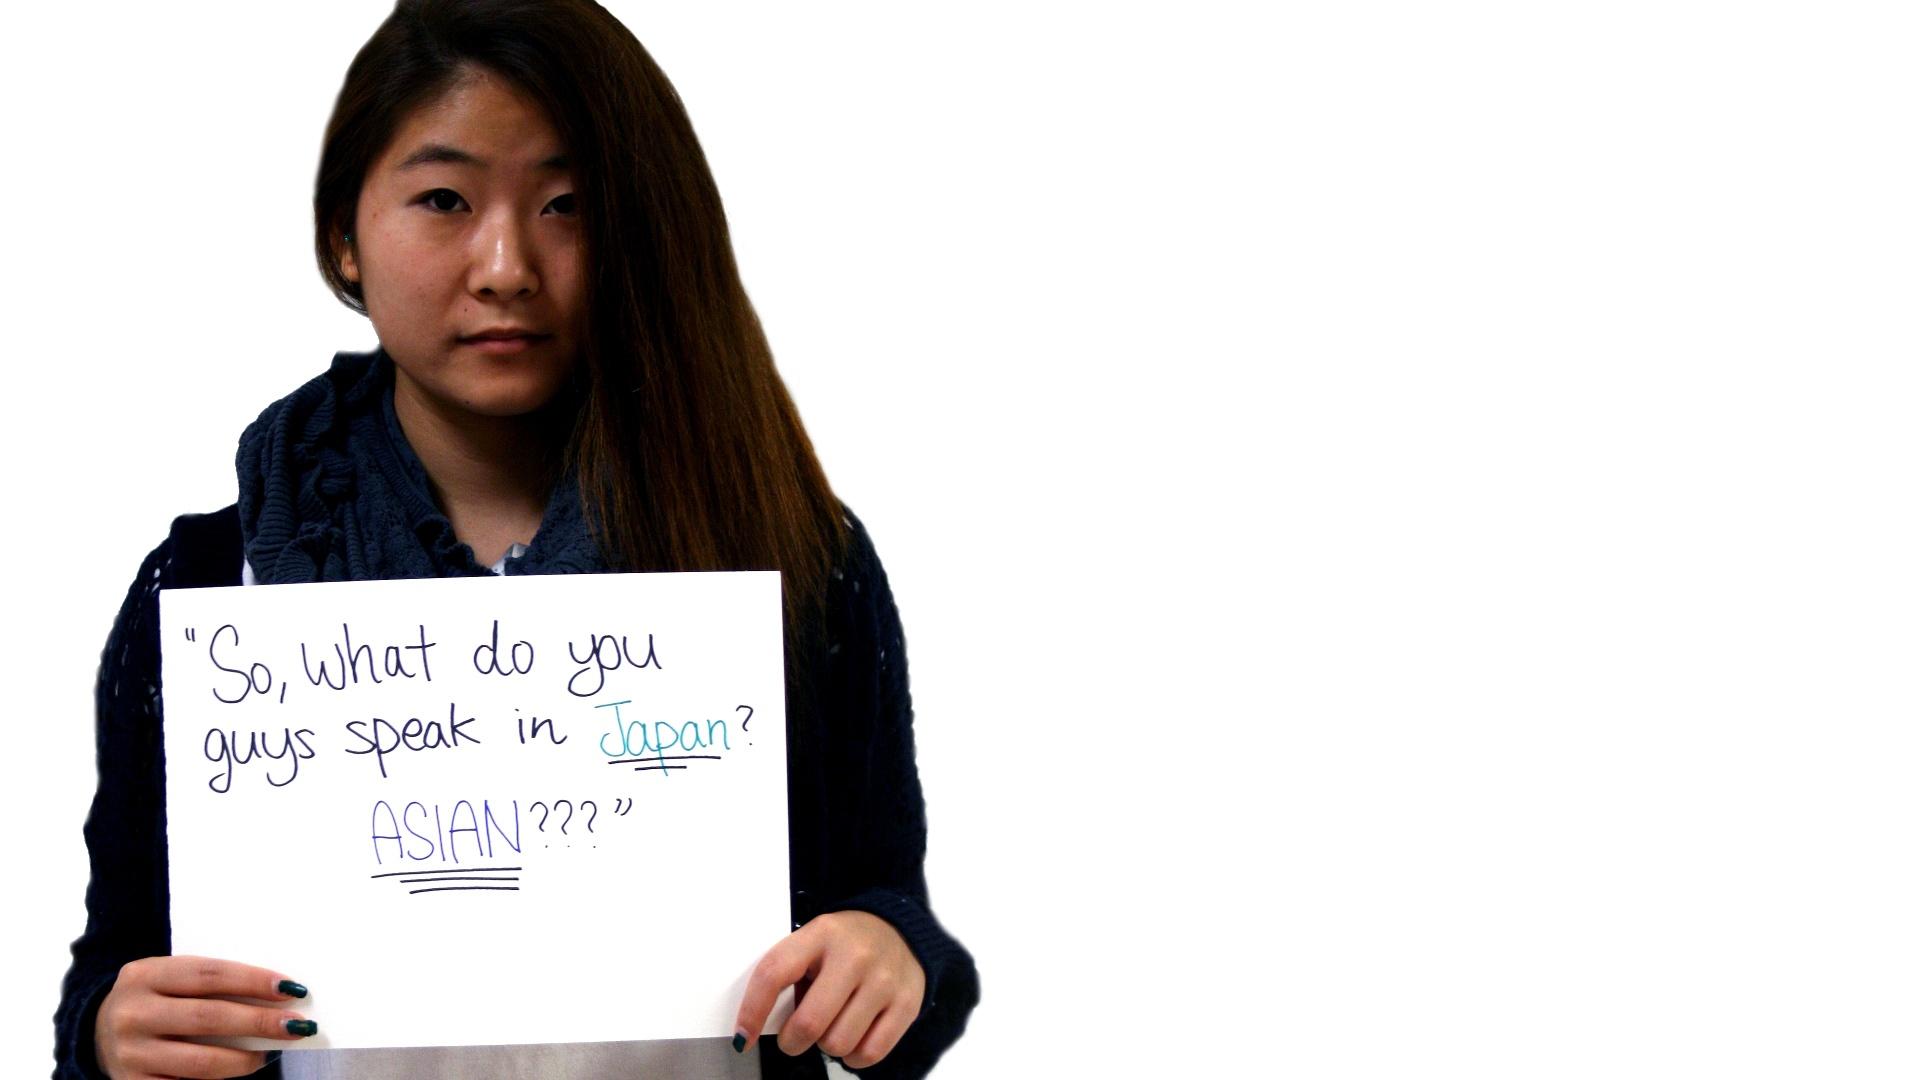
[865, 990]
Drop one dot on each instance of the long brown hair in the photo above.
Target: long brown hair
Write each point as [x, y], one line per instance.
[689, 451]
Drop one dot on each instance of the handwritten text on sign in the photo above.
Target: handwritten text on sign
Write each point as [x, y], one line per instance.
[482, 811]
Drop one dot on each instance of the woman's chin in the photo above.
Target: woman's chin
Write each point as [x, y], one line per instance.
[496, 395]
[508, 404]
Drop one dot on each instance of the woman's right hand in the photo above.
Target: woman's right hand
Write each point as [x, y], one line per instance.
[158, 1001]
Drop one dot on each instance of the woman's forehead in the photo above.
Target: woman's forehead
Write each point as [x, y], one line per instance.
[481, 121]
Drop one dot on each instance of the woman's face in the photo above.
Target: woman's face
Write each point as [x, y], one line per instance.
[466, 227]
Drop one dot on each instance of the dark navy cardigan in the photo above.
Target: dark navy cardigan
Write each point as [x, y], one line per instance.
[856, 820]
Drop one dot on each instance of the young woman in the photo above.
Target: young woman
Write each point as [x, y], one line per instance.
[570, 379]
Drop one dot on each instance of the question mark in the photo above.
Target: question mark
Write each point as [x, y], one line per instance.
[559, 803]
[543, 814]
[748, 720]
[594, 815]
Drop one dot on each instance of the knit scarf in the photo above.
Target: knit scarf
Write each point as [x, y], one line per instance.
[330, 490]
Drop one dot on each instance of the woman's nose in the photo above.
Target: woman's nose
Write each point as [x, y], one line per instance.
[503, 262]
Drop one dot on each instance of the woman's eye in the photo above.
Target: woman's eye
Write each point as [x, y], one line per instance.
[444, 200]
[447, 201]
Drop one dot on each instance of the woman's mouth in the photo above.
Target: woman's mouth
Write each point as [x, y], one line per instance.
[495, 343]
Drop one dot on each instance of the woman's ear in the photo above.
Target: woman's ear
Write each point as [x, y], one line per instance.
[349, 265]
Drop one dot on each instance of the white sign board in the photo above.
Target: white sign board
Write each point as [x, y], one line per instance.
[483, 811]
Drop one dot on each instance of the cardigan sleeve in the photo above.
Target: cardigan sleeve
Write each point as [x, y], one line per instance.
[126, 828]
[869, 717]
[127, 893]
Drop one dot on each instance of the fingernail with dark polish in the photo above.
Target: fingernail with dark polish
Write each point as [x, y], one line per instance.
[302, 1028]
[292, 989]
[739, 1042]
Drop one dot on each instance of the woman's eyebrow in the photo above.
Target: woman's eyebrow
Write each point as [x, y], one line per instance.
[442, 154]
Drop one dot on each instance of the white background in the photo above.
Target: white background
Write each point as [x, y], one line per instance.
[1404, 513]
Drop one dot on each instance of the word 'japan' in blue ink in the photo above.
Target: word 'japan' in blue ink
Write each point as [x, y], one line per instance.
[444, 842]
[638, 738]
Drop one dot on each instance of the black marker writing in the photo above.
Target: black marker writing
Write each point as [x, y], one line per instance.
[415, 734]
[225, 749]
[255, 679]
[605, 653]
[347, 658]
[519, 656]
[539, 722]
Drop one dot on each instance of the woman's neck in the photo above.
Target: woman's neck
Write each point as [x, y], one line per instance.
[490, 475]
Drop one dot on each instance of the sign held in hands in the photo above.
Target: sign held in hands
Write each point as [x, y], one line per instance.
[483, 811]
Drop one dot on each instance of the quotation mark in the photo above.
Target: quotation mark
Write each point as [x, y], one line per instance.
[622, 810]
[189, 633]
